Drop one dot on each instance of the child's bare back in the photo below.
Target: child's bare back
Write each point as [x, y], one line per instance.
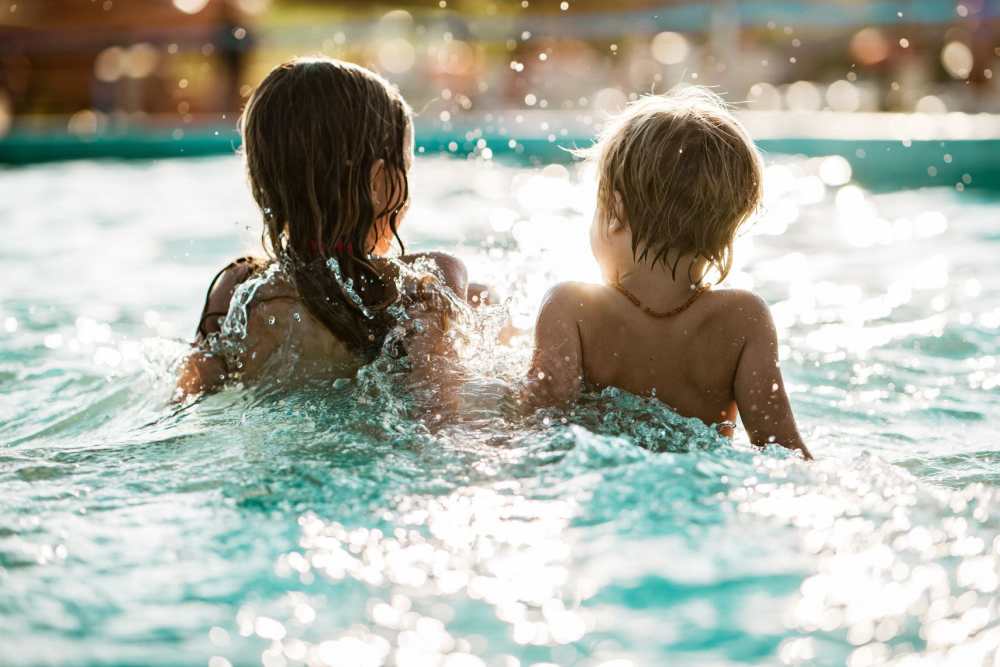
[253, 320]
[256, 325]
[719, 352]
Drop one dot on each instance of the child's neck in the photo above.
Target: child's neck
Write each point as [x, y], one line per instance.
[657, 285]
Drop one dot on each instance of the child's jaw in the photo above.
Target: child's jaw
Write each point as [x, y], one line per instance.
[611, 245]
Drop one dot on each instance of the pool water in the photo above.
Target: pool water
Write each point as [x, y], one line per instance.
[349, 525]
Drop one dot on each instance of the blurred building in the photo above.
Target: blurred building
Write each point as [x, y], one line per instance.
[101, 61]
[90, 64]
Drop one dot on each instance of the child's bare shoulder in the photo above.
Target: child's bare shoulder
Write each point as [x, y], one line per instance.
[574, 298]
[741, 299]
[273, 295]
[221, 290]
[737, 311]
[279, 325]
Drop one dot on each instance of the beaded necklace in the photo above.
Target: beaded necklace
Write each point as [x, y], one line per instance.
[660, 314]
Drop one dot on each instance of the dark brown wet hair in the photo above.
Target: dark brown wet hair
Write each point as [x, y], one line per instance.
[313, 131]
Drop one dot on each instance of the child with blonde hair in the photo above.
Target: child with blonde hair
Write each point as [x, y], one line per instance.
[678, 178]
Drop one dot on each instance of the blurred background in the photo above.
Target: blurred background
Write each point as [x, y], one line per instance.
[151, 78]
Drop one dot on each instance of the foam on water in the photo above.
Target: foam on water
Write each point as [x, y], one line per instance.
[360, 523]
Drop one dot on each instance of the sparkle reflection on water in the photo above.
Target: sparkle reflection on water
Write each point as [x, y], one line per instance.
[330, 527]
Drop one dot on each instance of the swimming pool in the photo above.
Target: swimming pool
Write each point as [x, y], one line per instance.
[332, 527]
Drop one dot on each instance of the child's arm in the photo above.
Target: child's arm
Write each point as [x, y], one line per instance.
[556, 374]
[201, 371]
[481, 294]
[430, 310]
[758, 385]
[450, 269]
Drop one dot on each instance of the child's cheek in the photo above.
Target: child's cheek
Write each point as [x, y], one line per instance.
[599, 248]
[595, 240]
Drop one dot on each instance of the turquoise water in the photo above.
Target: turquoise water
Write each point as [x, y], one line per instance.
[355, 525]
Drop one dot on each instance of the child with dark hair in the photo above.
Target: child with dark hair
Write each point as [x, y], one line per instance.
[678, 177]
[328, 146]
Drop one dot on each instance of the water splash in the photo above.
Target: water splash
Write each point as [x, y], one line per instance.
[347, 286]
[234, 326]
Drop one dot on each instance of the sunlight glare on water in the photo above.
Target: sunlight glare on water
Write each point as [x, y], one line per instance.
[344, 525]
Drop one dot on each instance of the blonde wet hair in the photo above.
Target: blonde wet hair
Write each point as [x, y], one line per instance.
[687, 176]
